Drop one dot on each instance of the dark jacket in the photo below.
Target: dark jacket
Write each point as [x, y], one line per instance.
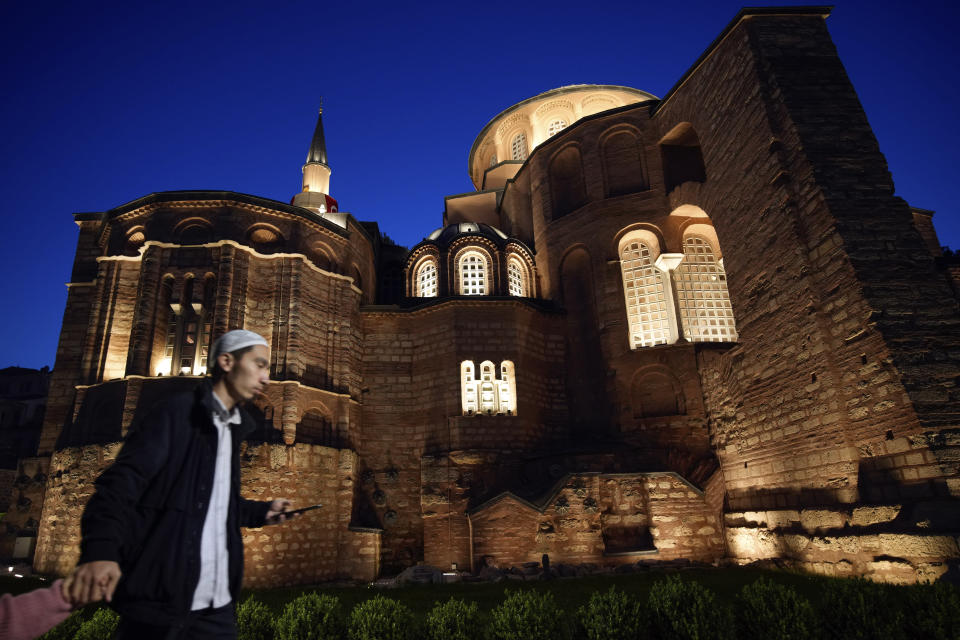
[148, 509]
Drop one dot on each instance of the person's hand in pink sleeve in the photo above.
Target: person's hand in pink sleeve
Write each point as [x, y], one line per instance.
[31, 614]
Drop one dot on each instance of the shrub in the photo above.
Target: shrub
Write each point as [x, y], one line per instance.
[102, 626]
[687, 610]
[770, 611]
[311, 617]
[454, 620]
[932, 611]
[527, 615]
[254, 621]
[66, 630]
[381, 618]
[612, 615]
[854, 608]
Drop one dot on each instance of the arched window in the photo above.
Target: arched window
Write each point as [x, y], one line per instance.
[682, 159]
[515, 277]
[315, 427]
[487, 393]
[507, 393]
[468, 388]
[189, 327]
[488, 390]
[623, 164]
[705, 311]
[555, 127]
[473, 274]
[518, 148]
[426, 279]
[647, 316]
[567, 186]
[493, 160]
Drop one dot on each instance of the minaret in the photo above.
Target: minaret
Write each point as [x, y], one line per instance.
[316, 175]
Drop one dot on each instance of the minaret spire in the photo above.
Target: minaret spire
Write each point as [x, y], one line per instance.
[318, 146]
[316, 176]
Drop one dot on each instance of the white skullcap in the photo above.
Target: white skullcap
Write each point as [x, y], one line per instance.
[232, 341]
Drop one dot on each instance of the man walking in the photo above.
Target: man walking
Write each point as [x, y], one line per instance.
[161, 534]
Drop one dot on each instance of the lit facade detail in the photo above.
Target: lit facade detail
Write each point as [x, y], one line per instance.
[484, 392]
[647, 311]
[473, 274]
[705, 311]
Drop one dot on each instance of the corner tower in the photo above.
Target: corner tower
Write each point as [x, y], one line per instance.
[314, 193]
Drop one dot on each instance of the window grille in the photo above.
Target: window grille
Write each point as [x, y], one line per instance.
[556, 127]
[518, 148]
[514, 279]
[473, 275]
[647, 318]
[488, 394]
[705, 311]
[427, 280]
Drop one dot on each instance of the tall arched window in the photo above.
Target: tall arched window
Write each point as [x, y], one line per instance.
[682, 158]
[647, 317]
[425, 280]
[705, 311]
[473, 274]
[518, 148]
[189, 328]
[555, 127]
[516, 275]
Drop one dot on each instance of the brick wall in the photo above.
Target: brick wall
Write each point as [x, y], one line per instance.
[603, 519]
[318, 546]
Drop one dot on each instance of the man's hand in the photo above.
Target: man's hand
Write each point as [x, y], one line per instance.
[277, 512]
[92, 581]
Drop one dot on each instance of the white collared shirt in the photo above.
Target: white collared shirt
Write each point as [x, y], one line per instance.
[213, 589]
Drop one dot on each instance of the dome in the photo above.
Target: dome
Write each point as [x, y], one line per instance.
[445, 235]
[516, 131]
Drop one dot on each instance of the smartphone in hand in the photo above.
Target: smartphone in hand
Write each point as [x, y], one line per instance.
[294, 512]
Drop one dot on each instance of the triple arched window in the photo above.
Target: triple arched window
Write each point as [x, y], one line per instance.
[483, 392]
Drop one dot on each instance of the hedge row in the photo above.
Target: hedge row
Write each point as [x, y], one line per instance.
[675, 609]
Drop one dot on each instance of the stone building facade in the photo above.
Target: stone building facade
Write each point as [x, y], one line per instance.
[696, 327]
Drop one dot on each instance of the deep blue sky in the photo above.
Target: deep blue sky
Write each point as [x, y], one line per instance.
[104, 102]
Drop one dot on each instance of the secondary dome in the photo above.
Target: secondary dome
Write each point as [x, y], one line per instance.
[445, 235]
[517, 130]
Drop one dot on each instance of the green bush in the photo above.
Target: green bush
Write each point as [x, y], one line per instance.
[612, 615]
[381, 618]
[769, 611]
[687, 611]
[527, 615]
[66, 630]
[312, 617]
[102, 626]
[454, 620]
[932, 612]
[254, 621]
[855, 609]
